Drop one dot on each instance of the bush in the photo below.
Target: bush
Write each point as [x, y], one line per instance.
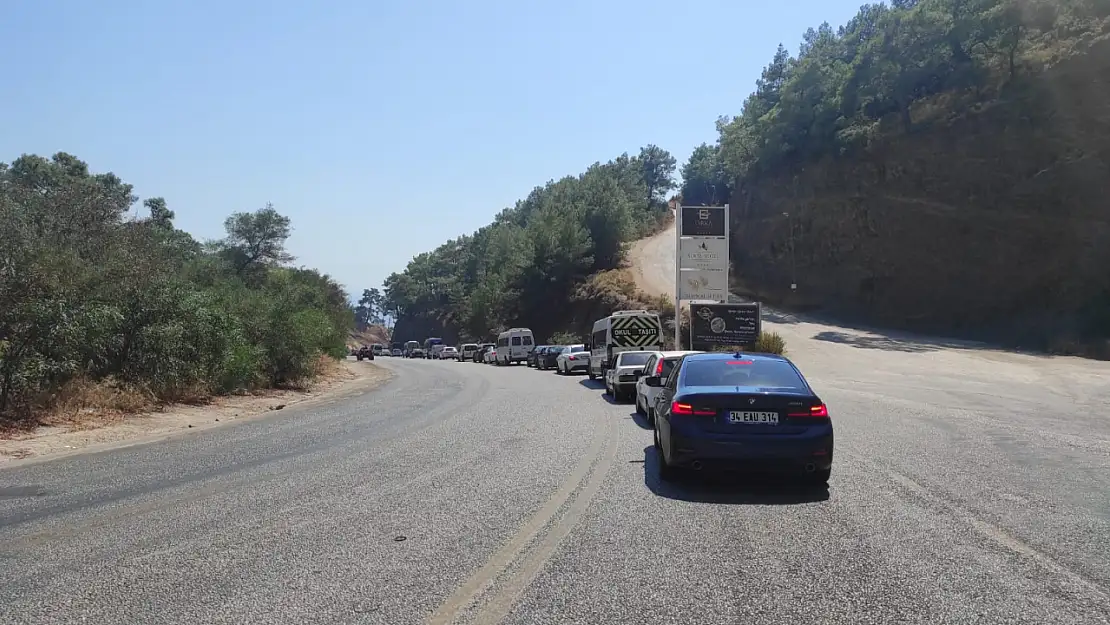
[95, 299]
[564, 338]
[768, 343]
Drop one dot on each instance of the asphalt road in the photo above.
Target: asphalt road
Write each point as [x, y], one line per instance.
[509, 495]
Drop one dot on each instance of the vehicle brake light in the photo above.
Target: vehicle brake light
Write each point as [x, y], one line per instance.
[571, 358]
[687, 409]
[820, 410]
[659, 368]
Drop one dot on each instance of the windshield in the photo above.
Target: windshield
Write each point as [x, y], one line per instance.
[633, 359]
[757, 373]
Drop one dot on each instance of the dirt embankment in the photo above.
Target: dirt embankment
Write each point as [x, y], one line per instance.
[369, 336]
[95, 429]
[992, 225]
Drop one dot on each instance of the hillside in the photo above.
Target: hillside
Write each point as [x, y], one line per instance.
[555, 262]
[372, 334]
[105, 311]
[937, 165]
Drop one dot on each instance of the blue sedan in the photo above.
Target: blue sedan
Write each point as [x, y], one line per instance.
[741, 409]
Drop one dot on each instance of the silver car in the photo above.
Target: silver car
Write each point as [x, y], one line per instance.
[660, 365]
[620, 379]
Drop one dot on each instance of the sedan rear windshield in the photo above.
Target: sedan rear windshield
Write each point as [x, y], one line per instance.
[574, 349]
[754, 373]
[634, 359]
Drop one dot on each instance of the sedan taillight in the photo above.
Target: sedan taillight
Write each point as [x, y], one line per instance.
[820, 411]
[687, 409]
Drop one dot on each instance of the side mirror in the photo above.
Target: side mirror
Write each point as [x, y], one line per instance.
[654, 381]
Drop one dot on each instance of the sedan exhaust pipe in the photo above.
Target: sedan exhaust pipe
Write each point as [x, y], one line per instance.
[810, 468]
[696, 465]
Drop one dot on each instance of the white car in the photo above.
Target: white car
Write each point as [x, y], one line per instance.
[572, 358]
[490, 356]
[449, 353]
[628, 367]
[659, 365]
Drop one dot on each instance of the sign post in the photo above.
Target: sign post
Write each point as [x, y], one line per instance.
[677, 279]
[701, 259]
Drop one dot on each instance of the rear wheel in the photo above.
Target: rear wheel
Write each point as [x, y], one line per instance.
[639, 407]
[665, 471]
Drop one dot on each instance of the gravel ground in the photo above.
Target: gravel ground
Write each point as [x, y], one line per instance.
[475, 494]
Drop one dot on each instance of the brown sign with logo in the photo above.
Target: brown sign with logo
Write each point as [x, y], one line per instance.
[704, 221]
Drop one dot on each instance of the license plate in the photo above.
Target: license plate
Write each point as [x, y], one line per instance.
[737, 416]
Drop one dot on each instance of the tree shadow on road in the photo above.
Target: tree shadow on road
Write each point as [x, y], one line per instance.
[730, 488]
[896, 342]
[777, 316]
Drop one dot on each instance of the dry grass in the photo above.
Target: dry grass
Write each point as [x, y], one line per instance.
[84, 404]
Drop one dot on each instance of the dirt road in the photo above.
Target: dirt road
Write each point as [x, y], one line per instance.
[905, 366]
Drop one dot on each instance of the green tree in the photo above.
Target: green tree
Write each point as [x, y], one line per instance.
[93, 294]
[541, 250]
[657, 170]
[370, 309]
[257, 238]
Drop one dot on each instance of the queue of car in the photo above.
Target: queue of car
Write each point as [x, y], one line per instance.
[705, 409]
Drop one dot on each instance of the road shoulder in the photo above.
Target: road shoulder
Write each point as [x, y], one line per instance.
[55, 441]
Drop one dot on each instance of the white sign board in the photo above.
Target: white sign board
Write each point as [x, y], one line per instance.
[698, 284]
[705, 253]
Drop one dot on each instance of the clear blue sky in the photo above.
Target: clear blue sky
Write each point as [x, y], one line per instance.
[382, 128]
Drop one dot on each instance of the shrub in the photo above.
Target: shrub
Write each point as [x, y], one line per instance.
[129, 312]
[770, 343]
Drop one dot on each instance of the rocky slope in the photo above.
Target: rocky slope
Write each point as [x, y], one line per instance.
[993, 224]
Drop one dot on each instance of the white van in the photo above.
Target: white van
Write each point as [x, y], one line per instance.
[622, 331]
[514, 345]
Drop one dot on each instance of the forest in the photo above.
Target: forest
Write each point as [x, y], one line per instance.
[898, 169]
[551, 263]
[939, 165]
[100, 306]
